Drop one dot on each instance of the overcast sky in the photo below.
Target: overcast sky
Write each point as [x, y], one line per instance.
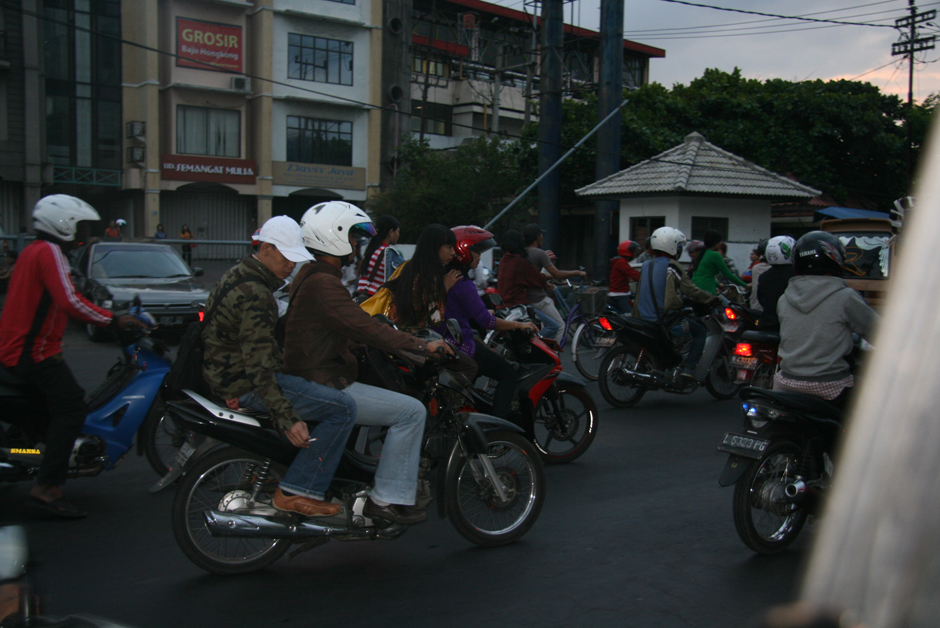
[697, 38]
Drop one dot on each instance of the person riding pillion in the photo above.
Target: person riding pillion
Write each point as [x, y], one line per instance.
[818, 314]
[40, 300]
[324, 325]
[244, 366]
[660, 288]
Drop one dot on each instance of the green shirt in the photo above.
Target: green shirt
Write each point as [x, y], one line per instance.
[713, 264]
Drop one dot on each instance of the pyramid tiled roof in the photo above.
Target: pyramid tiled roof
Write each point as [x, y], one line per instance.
[697, 167]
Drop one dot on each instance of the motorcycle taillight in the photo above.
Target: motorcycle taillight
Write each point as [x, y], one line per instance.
[730, 315]
[605, 323]
[201, 316]
[743, 349]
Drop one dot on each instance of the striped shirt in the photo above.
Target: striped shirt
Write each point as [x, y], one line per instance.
[378, 278]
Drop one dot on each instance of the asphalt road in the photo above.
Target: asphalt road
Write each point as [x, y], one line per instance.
[636, 532]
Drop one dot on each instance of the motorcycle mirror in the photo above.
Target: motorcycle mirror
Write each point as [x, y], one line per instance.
[102, 294]
[14, 552]
[453, 328]
[496, 300]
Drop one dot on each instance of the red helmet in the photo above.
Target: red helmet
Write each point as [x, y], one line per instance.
[471, 238]
[629, 249]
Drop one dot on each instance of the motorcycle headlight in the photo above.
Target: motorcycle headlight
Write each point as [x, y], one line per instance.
[107, 304]
[758, 416]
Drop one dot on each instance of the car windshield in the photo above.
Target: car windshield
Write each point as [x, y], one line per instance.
[867, 254]
[152, 262]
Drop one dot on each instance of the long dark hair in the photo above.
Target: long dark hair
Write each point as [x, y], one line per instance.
[711, 238]
[421, 282]
[382, 224]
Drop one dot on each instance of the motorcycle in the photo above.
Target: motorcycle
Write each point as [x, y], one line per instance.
[646, 359]
[124, 406]
[780, 464]
[556, 409]
[487, 480]
[755, 358]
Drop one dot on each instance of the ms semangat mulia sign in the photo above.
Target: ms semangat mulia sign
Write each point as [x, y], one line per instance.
[212, 169]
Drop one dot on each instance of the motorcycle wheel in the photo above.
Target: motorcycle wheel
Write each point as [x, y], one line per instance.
[585, 352]
[617, 391]
[721, 380]
[160, 437]
[765, 520]
[210, 481]
[565, 424]
[472, 502]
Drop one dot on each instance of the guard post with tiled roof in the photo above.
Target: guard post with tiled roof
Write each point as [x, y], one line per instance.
[694, 187]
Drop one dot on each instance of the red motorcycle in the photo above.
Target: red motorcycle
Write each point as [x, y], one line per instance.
[554, 408]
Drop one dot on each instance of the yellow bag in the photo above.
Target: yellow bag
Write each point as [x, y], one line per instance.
[381, 302]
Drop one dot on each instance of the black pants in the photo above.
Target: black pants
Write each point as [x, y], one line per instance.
[495, 367]
[65, 400]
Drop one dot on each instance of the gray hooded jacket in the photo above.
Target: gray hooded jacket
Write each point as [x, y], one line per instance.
[818, 315]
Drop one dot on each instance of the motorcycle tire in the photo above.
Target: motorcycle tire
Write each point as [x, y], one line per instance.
[565, 424]
[472, 503]
[215, 477]
[160, 437]
[585, 352]
[721, 379]
[765, 520]
[614, 389]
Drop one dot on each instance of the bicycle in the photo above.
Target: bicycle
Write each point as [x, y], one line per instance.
[590, 341]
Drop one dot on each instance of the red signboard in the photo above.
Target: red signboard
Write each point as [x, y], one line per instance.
[208, 46]
[213, 169]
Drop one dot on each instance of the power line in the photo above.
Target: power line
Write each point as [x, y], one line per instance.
[784, 17]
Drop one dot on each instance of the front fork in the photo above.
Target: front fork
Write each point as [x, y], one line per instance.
[489, 472]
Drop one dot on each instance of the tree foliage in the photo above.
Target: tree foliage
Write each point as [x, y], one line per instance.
[468, 185]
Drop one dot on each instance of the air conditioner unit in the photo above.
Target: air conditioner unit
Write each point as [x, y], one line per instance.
[136, 129]
[136, 154]
[241, 84]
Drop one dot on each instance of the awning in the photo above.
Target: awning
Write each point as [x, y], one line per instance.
[846, 212]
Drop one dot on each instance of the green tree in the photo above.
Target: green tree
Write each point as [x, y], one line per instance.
[467, 185]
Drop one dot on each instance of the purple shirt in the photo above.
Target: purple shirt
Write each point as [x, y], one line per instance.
[464, 304]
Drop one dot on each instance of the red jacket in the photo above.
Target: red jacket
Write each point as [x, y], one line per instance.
[621, 274]
[516, 276]
[41, 295]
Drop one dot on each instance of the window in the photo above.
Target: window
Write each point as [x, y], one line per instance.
[642, 228]
[212, 132]
[319, 59]
[434, 67]
[438, 118]
[701, 224]
[315, 141]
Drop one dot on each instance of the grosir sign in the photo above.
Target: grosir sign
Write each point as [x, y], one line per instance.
[208, 46]
[214, 169]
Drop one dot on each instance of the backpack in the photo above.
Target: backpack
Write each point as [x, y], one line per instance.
[186, 371]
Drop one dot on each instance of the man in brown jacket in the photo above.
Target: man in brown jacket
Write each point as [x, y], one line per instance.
[324, 323]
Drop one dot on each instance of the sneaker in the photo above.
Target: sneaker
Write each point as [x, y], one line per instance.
[306, 506]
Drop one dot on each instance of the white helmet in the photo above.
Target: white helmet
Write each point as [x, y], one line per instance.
[667, 240]
[327, 226]
[59, 215]
[780, 250]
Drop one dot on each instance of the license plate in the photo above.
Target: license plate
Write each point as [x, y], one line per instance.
[605, 342]
[171, 320]
[730, 327]
[740, 445]
[184, 453]
[742, 362]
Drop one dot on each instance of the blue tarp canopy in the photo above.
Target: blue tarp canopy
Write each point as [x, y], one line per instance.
[846, 212]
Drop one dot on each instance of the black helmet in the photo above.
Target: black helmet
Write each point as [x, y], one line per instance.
[819, 253]
[762, 247]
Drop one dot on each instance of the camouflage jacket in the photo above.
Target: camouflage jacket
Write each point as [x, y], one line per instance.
[241, 353]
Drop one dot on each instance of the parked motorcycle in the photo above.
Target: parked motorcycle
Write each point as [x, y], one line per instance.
[123, 407]
[487, 480]
[780, 464]
[556, 409]
[647, 359]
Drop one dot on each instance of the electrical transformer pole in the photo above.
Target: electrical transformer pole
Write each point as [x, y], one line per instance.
[550, 118]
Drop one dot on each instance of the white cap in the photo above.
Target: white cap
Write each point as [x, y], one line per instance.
[285, 234]
[120, 221]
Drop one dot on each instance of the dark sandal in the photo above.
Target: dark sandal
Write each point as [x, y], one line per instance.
[58, 507]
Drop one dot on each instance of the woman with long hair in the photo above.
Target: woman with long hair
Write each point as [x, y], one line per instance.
[709, 263]
[419, 293]
[380, 260]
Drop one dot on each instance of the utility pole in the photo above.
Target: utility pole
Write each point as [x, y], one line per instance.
[907, 47]
[553, 13]
[497, 86]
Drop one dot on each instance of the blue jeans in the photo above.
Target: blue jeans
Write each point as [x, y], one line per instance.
[552, 322]
[312, 470]
[698, 332]
[396, 480]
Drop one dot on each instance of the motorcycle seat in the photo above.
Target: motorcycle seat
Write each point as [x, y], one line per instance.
[762, 337]
[807, 404]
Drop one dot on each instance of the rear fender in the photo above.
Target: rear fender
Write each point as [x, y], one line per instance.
[734, 469]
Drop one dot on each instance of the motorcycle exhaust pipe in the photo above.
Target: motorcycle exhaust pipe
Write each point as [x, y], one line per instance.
[258, 526]
[795, 491]
[642, 378]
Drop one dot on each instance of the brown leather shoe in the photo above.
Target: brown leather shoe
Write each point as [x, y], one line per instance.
[406, 515]
[306, 506]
